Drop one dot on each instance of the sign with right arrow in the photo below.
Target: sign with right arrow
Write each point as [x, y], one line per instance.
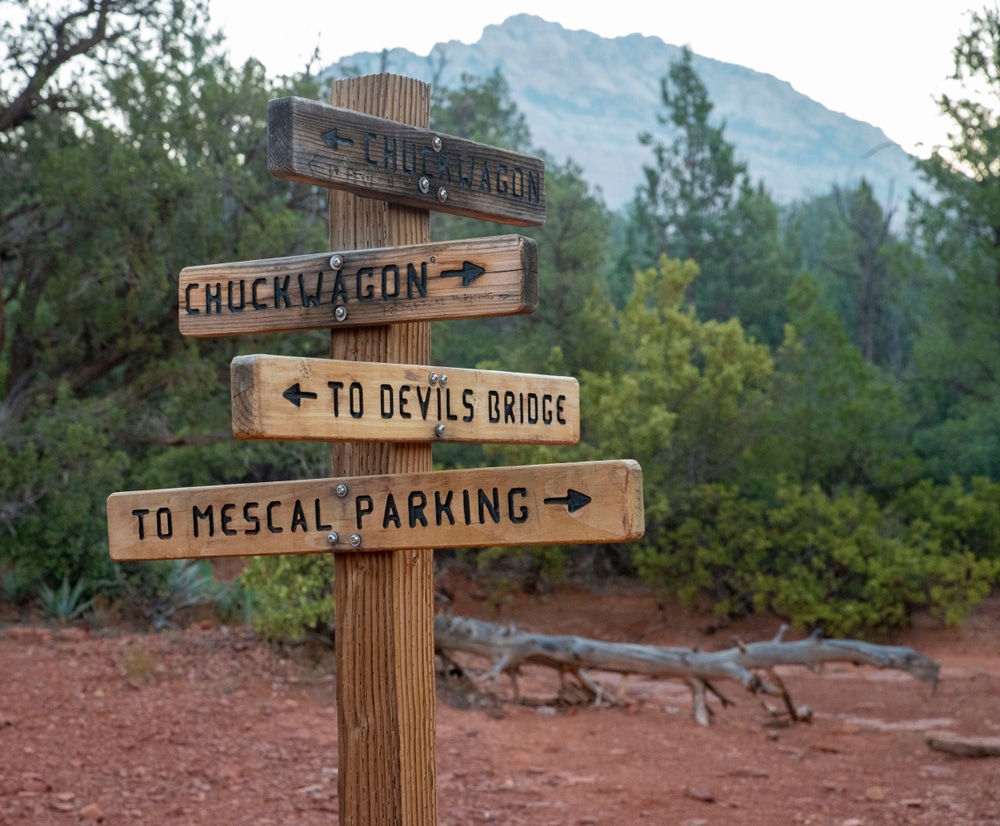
[473, 278]
[573, 503]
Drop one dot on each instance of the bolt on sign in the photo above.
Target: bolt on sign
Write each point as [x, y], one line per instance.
[313, 143]
[570, 503]
[475, 278]
[302, 399]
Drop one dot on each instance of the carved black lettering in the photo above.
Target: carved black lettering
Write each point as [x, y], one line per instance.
[415, 504]
[493, 406]
[443, 508]
[391, 513]
[213, 300]
[139, 513]
[389, 154]
[335, 386]
[164, 530]
[369, 290]
[467, 507]
[187, 301]
[226, 518]
[532, 408]
[319, 519]
[281, 292]
[363, 506]
[517, 177]
[251, 518]
[534, 187]
[390, 282]
[254, 298]
[425, 153]
[560, 416]
[508, 407]
[299, 518]
[489, 505]
[369, 137]
[466, 395]
[484, 179]
[444, 166]
[412, 147]
[522, 512]
[463, 180]
[423, 403]
[501, 180]
[416, 281]
[404, 400]
[310, 300]
[451, 417]
[198, 514]
[357, 400]
[243, 299]
[546, 410]
[270, 516]
[385, 400]
[339, 289]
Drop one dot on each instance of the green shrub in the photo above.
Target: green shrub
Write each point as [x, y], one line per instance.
[291, 594]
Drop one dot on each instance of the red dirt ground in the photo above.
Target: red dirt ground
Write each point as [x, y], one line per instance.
[211, 726]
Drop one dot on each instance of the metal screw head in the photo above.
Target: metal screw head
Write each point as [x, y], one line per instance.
[433, 378]
[437, 143]
[340, 313]
[355, 540]
[439, 430]
[341, 490]
[442, 195]
[332, 538]
[336, 262]
[424, 184]
[443, 380]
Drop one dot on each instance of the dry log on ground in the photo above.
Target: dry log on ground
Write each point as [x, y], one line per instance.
[509, 649]
[963, 745]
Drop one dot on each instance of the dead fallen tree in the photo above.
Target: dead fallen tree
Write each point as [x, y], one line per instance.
[510, 649]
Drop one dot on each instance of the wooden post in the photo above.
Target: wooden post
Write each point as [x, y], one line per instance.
[385, 600]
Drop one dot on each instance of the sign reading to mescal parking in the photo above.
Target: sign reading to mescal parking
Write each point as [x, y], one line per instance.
[541, 504]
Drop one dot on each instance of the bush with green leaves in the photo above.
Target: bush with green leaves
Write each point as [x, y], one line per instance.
[291, 594]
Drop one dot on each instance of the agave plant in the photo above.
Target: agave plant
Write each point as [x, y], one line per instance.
[65, 604]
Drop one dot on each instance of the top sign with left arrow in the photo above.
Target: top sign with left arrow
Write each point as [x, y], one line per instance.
[474, 278]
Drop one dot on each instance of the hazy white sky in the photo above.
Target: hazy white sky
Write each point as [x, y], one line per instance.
[880, 61]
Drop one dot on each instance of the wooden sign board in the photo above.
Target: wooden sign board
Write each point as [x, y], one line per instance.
[313, 143]
[542, 504]
[301, 399]
[475, 278]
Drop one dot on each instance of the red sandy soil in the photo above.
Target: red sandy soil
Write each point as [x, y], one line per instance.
[209, 725]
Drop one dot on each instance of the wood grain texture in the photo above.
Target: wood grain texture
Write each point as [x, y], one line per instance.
[385, 601]
[569, 503]
[374, 286]
[302, 399]
[341, 148]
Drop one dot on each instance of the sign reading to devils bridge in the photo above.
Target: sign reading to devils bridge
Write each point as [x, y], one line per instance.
[539, 504]
[454, 279]
[302, 399]
[313, 143]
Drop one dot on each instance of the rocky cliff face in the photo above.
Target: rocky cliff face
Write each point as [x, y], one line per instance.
[587, 98]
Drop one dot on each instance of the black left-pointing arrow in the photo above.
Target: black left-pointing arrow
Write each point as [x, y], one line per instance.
[295, 395]
[573, 500]
[469, 273]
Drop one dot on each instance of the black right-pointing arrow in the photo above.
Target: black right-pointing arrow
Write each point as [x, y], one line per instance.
[573, 500]
[295, 395]
[469, 273]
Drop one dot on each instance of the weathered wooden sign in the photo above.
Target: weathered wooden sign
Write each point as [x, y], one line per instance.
[541, 504]
[313, 143]
[475, 278]
[301, 399]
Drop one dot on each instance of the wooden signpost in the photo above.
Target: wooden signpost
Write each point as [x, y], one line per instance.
[381, 405]
[480, 277]
[299, 399]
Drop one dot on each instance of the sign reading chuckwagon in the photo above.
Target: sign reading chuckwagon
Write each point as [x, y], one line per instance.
[314, 143]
